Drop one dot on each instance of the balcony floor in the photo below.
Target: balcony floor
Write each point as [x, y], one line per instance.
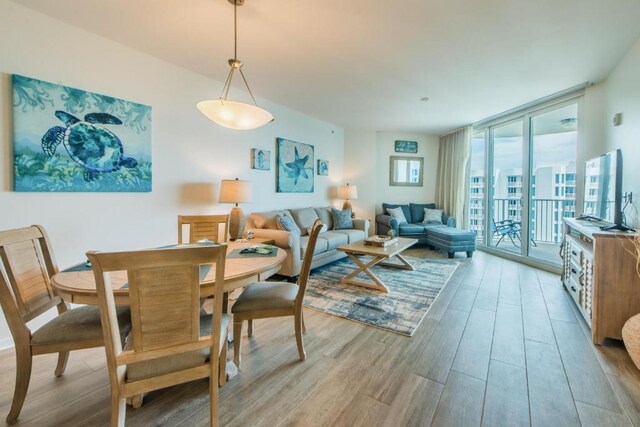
[545, 251]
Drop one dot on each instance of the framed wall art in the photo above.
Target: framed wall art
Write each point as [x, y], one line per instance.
[406, 147]
[323, 167]
[260, 159]
[71, 140]
[295, 161]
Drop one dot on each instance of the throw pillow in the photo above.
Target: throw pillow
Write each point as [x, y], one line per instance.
[322, 229]
[398, 214]
[341, 219]
[286, 223]
[432, 215]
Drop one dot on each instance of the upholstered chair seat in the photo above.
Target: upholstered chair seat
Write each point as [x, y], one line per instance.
[266, 296]
[177, 362]
[79, 324]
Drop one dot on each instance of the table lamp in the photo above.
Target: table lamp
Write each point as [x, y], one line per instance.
[236, 191]
[347, 192]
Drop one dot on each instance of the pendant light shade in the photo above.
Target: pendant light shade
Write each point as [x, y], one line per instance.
[235, 114]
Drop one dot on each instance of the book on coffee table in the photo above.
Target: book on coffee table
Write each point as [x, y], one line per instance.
[380, 241]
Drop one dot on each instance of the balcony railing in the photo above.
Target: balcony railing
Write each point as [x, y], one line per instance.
[545, 220]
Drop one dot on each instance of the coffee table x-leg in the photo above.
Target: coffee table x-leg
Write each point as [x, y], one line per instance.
[365, 268]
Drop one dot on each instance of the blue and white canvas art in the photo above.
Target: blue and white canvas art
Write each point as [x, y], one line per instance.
[70, 140]
[323, 167]
[295, 167]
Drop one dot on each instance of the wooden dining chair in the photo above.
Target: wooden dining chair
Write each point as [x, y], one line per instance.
[26, 266]
[203, 227]
[274, 299]
[171, 341]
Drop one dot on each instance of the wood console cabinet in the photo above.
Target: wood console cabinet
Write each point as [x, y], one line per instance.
[600, 275]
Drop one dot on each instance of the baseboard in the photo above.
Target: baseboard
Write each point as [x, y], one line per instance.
[6, 343]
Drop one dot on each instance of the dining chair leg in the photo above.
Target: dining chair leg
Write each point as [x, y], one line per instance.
[304, 327]
[118, 410]
[23, 375]
[213, 401]
[298, 322]
[237, 341]
[136, 401]
[63, 357]
[222, 365]
[250, 327]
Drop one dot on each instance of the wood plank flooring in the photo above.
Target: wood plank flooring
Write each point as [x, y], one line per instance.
[501, 346]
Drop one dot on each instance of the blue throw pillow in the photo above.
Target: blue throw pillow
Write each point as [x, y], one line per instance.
[286, 223]
[341, 219]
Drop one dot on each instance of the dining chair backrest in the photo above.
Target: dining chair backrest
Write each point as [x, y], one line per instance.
[306, 262]
[164, 296]
[26, 266]
[203, 227]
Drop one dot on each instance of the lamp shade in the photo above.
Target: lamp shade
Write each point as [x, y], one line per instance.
[348, 192]
[235, 115]
[235, 191]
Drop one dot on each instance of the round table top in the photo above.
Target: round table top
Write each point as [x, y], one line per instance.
[80, 286]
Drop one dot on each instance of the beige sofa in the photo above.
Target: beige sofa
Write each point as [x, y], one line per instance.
[264, 225]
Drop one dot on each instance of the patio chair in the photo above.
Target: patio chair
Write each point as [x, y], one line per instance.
[508, 228]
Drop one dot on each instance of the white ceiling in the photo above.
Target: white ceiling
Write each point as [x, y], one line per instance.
[366, 63]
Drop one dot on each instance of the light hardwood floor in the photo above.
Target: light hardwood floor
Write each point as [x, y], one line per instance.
[502, 345]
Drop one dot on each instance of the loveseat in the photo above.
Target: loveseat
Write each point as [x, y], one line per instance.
[439, 234]
[265, 225]
[414, 227]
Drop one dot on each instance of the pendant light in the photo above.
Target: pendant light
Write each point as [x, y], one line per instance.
[234, 114]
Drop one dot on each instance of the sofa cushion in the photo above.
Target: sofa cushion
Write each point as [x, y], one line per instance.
[324, 213]
[305, 218]
[417, 210]
[341, 219]
[431, 225]
[286, 223]
[432, 216]
[267, 219]
[405, 210]
[411, 229]
[353, 235]
[334, 239]
[321, 245]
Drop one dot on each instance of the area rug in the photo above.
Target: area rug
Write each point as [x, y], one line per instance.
[411, 293]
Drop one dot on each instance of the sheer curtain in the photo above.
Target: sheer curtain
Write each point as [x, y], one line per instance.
[452, 183]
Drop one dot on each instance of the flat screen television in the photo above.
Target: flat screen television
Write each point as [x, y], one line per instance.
[603, 190]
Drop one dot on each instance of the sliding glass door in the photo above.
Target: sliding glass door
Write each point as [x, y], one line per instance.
[523, 181]
[506, 196]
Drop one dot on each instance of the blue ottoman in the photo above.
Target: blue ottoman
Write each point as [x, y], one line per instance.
[452, 240]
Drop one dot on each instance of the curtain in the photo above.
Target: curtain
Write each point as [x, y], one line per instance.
[452, 183]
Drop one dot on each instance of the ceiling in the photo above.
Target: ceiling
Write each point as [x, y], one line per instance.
[365, 64]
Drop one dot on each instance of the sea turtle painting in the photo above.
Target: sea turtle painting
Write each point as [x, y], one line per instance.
[89, 143]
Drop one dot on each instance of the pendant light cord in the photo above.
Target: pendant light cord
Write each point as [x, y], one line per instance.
[235, 29]
[227, 84]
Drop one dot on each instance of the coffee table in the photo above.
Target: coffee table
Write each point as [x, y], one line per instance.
[381, 256]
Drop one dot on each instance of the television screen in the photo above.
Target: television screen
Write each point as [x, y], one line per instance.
[600, 187]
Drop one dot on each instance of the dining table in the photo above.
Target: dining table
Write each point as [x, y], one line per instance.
[77, 285]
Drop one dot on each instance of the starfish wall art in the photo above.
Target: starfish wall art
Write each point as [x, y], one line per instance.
[295, 167]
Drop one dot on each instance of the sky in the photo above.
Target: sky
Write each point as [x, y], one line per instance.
[549, 148]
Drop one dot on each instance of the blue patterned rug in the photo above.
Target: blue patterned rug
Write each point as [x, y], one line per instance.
[401, 310]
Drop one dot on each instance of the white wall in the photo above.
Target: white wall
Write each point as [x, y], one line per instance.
[428, 147]
[367, 166]
[622, 95]
[190, 154]
[360, 168]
